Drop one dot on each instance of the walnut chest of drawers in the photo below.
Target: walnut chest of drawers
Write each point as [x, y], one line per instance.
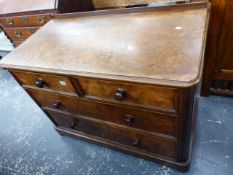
[21, 18]
[127, 79]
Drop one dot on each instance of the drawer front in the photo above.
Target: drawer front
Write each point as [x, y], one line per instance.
[17, 34]
[124, 137]
[26, 21]
[136, 94]
[47, 82]
[17, 43]
[127, 117]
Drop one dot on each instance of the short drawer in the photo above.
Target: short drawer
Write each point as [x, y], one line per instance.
[130, 93]
[21, 33]
[47, 82]
[26, 20]
[134, 140]
[127, 117]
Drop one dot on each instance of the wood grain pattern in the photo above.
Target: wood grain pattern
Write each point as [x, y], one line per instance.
[144, 95]
[225, 52]
[112, 52]
[214, 31]
[141, 119]
[60, 84]
[218, 64]
[118, 136]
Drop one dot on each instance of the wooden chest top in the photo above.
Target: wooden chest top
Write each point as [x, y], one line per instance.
[15, 6]
[156, 45]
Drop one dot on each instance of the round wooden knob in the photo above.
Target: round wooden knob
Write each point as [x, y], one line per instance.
[128, 119]
[40, 83]
[135, 142]
[32, 30]
[10, 21]
[57, 105]
[120, 94]
[74, 125]
[42, 19]
[18, 33]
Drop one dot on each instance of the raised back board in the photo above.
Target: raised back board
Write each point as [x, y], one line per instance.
[98, 4]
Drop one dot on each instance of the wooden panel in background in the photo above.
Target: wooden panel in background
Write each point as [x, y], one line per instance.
[218, 70]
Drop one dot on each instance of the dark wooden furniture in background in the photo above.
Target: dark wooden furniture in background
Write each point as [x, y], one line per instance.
[134, 90]
[21, 18]
[218, 71]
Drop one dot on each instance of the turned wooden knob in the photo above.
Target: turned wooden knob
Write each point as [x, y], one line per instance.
[40, 83]
[18, 33]
[57, 105]
[32, 30]
[10, 21]
[74, 125]
[42, 19]
[120, 94]
[128, 119]
[135, 142]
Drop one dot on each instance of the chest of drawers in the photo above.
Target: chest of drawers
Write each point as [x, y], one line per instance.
[20, 19]
[127, 79]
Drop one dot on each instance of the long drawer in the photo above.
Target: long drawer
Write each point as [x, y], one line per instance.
[127, 117]
[26, 20]
[133, 140]
[21, 33]
[130, 93]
